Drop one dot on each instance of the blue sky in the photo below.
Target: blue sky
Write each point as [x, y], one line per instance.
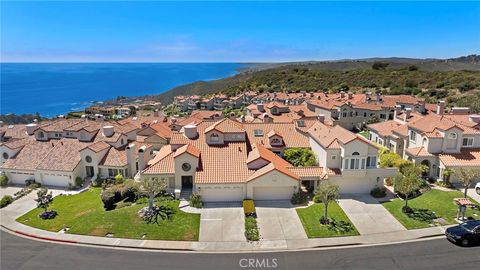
[235, 31]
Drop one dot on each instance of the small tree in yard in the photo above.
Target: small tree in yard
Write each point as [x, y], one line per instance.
[326, 193]
[447, 174]
[43, 201]
[152, 186]
[407, 182]
[467, 176]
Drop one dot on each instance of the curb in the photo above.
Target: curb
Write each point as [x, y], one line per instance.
[41, 237]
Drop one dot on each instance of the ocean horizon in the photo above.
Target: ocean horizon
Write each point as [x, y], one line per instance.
[57, 88]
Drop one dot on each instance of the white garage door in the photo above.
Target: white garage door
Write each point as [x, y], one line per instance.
[19, 178]
[272, 193]
[222, 193]
[354, 185]
[57, 180]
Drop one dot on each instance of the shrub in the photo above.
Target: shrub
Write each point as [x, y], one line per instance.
[339, 226]
[6, 200]
[299, 197]
[424, 215]
[251, 229]
[118, 179]
[34, 185]
[123, 204]
[196, 200]
[3, 180]
[109, 197]
[129, 191]
[300, 157]
[78, 181]
[249, 208]
[48, 214]
[378, 192]
[317, 199]
[389, 181]
[97, 182]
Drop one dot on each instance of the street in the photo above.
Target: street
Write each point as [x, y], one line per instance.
[21, 253]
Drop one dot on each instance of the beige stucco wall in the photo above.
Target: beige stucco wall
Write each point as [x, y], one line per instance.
[272, 179]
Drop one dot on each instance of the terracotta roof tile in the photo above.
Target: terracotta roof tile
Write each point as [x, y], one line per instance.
[468, 157]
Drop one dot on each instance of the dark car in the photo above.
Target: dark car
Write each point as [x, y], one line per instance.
[465, 234]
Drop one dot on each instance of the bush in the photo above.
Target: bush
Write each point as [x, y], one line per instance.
[6, 200]
[249, 208]
[378, 192]
[118, 179]
[97, 182]
[109, 197]
[300, 157]
[123, 204]
[317, 199]
[251, 229]
[299, 197]
[196, 200]
[389, 181]
[48, 214]
[3, 180]
[78, 181]
[339, 226]
[129, 191]
[424, 215]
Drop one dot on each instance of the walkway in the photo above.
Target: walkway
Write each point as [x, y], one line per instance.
[368, 215]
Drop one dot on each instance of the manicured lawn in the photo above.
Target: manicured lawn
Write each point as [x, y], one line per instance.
[310, 217]
[84, 214]
[364, 133]
[441, 202]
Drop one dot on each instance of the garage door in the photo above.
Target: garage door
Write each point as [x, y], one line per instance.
[57, 180]
[272, 193]
[354, 185]
[19, 178]
[222, 193]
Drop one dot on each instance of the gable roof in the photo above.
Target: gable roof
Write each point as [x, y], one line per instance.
[226, 125]
[188, 148]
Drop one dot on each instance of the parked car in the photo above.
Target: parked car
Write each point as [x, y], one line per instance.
[477, 188]
[465, 234]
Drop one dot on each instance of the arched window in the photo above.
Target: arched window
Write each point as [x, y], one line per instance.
[5, 155]
[452, 135]
[355, 154]
[424, 142]
[214, 137]
[275, 141]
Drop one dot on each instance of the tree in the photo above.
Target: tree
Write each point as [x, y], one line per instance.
[326, 193]
[412, 68]
[447, 174]
[44, 199]
[467, 176]
[152, 186]
[389, 159]
[379, 65]
[408, 181]
[300, 157]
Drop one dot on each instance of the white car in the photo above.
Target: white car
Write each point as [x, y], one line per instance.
[477, 188]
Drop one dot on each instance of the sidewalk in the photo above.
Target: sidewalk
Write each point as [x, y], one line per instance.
[11, 212]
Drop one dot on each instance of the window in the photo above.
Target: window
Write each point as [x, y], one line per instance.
[88, 159]
[258, 133]
[214, 137]
[344, 114]
[112, 172]
[364, 114]
[380, 141]
[355, 154]
[5, 155]
[412, 135]
[334, 157]
[382, 116]
[121, 141]
[424, 143]
[467, 142]
[371, 162]
[186, 167]
[345, 165]
[363, 163]
[452, 135]
[352, 163]
[300, 123]
[41, 134]
[275, 141]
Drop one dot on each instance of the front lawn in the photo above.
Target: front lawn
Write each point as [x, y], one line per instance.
[364, 133]
[440, 202]
[310, 217]
[84, 214]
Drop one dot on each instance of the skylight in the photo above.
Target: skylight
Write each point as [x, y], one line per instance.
[258, 132]
[300, 123]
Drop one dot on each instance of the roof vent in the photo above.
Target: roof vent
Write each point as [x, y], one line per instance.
[475, 118]
[108, 131]
[31, 128]
[190, 131]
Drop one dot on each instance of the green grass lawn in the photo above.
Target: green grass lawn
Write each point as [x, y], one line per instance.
[310, 217]
[84, 214]
[441, 202]
[364, 133]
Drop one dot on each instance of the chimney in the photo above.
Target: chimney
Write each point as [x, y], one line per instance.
[190, 131]
[31, 128]
[108, 131]
[1, 123]
[368, 96]
[232, 116]
[260, 107]
[378, 97]
[267, 118]
[242, 118]
[408, 111]
[397, 111]
[142, 159]
[475, 118]
[342, 94]
[350, 95]
[321, 118]
[132, 166]
[441, 107]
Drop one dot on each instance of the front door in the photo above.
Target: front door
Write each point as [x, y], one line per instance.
[90, 171]
[187, 181]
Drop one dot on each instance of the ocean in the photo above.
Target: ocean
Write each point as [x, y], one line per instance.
[57, 88]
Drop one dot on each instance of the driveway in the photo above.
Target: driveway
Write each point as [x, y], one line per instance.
[222, 222]
[278, 220]
[368, 215]
[473, 194]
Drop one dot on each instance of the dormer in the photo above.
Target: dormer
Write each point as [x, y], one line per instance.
[275, 138]
[225, 130]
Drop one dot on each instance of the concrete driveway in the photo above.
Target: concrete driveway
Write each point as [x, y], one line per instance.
[278, 220]
[222, 222]
[368, 215]
[473, 194]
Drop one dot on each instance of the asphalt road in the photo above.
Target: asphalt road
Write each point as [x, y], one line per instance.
[21, 253]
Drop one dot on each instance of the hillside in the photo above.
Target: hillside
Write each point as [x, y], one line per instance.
[401, 75]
